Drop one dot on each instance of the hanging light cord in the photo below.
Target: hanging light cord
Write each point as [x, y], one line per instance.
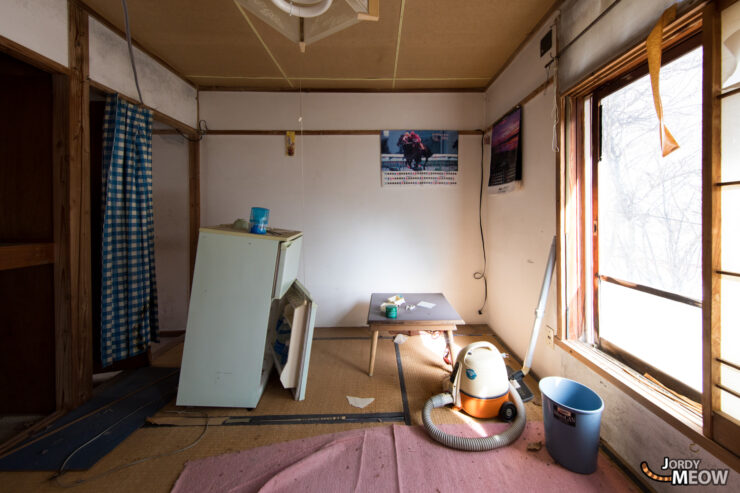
[131, 49]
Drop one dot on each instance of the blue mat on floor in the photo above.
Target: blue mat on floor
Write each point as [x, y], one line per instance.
[145, 390]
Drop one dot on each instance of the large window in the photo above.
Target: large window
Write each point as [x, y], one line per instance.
[649, 246]
[646, 209]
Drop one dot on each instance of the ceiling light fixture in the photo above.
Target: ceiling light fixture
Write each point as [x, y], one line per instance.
[315, 10]
[308, 21]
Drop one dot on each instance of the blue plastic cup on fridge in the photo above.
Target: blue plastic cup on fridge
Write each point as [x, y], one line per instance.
[572, 417]
[258, 220]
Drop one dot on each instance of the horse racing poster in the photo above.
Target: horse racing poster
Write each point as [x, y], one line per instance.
[506, 153]
[418, 157]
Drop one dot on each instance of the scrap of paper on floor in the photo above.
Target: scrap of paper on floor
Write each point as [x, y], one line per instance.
[359, 401]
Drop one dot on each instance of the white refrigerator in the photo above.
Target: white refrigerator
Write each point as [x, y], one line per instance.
[247, 314]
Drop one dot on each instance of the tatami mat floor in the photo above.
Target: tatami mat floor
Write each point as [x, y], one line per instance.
[338, 369]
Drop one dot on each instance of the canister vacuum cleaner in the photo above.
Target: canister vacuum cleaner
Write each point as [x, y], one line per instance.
[481, 386]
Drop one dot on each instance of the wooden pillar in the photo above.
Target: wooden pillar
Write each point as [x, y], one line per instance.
[711, 215]
[194, 192]
[72, 269]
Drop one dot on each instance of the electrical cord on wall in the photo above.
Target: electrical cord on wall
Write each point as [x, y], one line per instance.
[482, 274]
[201, 131]
[131, 49]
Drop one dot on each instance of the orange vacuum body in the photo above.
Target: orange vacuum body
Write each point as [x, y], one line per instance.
[480, 383]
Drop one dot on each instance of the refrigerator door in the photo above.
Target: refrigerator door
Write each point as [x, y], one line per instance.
[301, 384]
[292, 323]
[287, 266]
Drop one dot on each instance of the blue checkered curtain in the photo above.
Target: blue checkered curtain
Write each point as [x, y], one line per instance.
[128, 281]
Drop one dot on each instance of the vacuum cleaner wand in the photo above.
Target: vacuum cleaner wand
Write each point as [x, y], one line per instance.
[540, 311]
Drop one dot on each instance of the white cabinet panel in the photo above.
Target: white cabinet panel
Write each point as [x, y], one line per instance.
[224, 360]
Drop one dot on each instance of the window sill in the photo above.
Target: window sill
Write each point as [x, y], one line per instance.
[671, 410]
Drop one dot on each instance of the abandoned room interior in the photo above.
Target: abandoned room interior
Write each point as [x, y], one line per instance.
[369, 245]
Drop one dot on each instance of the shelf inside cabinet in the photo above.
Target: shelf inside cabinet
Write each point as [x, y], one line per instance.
[19, 255]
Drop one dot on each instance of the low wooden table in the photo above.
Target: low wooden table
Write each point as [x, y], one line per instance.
[441, 317]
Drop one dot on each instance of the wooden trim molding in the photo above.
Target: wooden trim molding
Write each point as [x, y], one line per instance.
[31, 57]
[194, 200]
[649, 290]
[72, 266]
[731, 92]
[711, 219]
[428, 90]
[26, 255]
[298, 132]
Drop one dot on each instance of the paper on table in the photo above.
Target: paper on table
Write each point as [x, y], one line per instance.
[359, 401]
[425, 304]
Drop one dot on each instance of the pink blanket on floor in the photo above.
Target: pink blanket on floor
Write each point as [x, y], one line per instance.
[395, 458]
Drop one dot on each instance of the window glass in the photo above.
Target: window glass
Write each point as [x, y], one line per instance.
[731, 228]
[663, 333]
[649, 207]
[730, 343]
[731, 138]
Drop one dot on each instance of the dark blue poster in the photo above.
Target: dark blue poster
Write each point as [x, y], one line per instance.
[506, 153]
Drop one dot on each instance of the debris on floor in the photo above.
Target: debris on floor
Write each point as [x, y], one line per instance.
[360, 402]
[534, 446]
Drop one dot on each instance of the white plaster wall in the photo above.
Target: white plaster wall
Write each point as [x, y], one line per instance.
[520, 226]
[341, 111]
[161, 89]
[40, 25]
[170, 188]
[358, 237]
[525, 73]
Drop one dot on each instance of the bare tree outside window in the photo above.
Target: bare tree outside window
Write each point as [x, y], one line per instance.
[649, 221]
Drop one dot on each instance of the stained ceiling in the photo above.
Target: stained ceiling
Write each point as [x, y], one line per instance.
[415, 44]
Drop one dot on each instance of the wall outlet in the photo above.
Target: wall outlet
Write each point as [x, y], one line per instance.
[550, 338]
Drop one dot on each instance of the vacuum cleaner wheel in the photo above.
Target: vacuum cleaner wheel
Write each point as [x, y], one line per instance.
[507, 412]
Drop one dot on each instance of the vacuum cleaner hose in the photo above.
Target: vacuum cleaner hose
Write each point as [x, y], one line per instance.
[474, 444]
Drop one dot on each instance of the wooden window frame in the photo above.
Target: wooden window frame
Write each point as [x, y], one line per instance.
[707, 427]
[670, 54]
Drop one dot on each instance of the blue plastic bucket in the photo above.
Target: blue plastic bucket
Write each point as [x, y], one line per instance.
[258, 220]
[572, 417]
